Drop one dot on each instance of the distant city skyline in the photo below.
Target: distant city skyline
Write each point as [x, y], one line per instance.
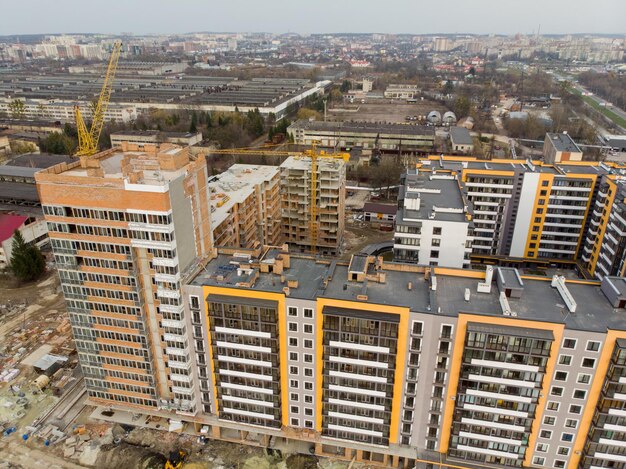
[322, 16]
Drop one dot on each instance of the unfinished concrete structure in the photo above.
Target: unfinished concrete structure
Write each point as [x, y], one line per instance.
[124, 225]
[245, 206]
[295, 189]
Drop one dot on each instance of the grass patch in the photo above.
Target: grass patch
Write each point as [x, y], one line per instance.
[603, 110]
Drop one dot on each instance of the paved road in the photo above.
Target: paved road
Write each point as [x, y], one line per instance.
[581, 89]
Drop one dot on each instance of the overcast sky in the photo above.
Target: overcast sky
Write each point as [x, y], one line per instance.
[311, 16]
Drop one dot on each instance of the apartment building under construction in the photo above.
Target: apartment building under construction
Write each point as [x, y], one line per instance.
[297, 197]
[124, 226]
[245, 206]
[390, 364]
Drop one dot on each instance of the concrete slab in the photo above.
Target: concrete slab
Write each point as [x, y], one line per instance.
[31, 359]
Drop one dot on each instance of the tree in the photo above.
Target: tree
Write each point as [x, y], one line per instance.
[17, 108]
[27, 263]
[386, 174]
[58, 144]
[193, 126]
[345, 86]
[307, 114]
[448, 88]
[462, 107]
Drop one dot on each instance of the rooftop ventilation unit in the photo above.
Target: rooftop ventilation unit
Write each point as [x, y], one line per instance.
[558, 281]
[485, 287]
[504, 304]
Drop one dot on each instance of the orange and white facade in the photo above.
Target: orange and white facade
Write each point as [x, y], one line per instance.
[125, 224]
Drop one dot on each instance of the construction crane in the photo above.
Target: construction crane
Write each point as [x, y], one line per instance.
[88, 139]
[314, 155]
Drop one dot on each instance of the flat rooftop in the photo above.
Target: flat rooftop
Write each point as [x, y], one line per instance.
[234, 186]
[562, 142]
[437, 194]
[539, 300]
[129, 163]
[304, 163]
[366, 127]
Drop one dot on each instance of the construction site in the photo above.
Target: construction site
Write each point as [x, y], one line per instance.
[45, 418]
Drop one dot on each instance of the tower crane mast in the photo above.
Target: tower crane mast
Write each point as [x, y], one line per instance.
[88, 138]
[314, 155]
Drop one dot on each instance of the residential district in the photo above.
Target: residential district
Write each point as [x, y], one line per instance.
[288, 251]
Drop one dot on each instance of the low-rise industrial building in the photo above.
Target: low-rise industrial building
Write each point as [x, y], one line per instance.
[379, 214]
[401, 91]
[460, 140]
[385, 137]
[154, 137]
[559, 147]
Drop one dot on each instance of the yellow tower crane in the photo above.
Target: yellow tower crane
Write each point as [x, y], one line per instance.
[314, 155]
[88, 139]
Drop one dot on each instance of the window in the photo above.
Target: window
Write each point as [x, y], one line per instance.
[565, 360]
[293, 370]
[308, 412]
[567, 437]
[539, 461]
[571, 423]
[593, 346]
[583, 378]
[418, 328]
[308, 313]
[295, 422]
[560, 376]
[563, 451]
[436, 230]
[588, 362]
[308, 358]
[308, 328]
[294, 396]
[542, 447]
[579, 394]
[293, 327]
[308, 399]
[294, 409]
[569, 343]
[547, 420]
[556, 391]
[559, 464]
[308, 423]
[547, 434]
[308, 386]
[575, 409]
[554, 405]
[434, 253]
[308, 343]
[293, 383]
[436, 242]
[544, 183]
[308, 372]
[293, 356]
[293, 311]
[293, 341]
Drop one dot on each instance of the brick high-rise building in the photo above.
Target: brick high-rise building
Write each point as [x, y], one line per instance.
[125, 224]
